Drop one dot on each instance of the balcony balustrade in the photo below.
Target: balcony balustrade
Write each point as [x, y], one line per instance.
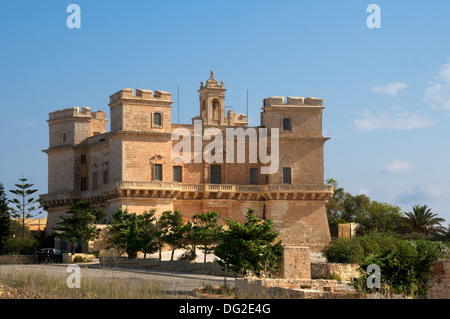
[159, 189]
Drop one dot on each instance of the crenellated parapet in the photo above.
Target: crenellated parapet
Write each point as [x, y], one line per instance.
[140, 110]
[294, 116]
[292, 101]
[72, 125]
[139, 94]
[76, 112]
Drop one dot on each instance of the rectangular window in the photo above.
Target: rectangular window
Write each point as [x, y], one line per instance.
[158, 172]
[94, 181]
[157, 119]
[83, 183]
[254, 176]
[177, 174]
[286, 124]
[215, 174]
[105, 177]
[83, 159]
[287, 175]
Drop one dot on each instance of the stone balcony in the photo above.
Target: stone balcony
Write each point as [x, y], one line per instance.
[190, 191]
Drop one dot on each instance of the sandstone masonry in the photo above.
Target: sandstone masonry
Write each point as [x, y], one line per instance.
[131, 167]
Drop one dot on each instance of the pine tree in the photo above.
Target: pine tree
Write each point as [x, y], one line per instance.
[148, 232]
[206, 231]
[171, 228]
[5, 218]
[79, 224]
[249, 248]
[26, 205]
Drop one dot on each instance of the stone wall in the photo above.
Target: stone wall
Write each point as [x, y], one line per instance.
[69, 258]
[300, 223]
[345, 271]
[440, 288]
[292, 288]
[136, 144]
[296, 263]
[16, 259]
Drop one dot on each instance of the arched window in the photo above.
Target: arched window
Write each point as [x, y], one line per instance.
[157, 119]
[215, 109]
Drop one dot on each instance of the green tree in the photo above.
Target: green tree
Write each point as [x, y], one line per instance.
[249, 248]
[206, 231]
[16, 229]
[423, 221]
[20, 246]
[5, 218]
[335, 204]
[148, 232]
[354, 206]
[171, 230]
[79, 223]
[378, 217]
[343, 207]
[123, 232]
[26, 204]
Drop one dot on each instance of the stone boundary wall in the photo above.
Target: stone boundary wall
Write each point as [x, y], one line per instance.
[16, 259]
[296, 263]
[254, 288]
[210, 268]
[292, 288]
[440, 288]
[68, 257]
[345, 271]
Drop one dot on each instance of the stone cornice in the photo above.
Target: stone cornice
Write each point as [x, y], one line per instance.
[180, 191]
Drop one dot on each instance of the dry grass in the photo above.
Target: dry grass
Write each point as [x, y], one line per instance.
[38, 285]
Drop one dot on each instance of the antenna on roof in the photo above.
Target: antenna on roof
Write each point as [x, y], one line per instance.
[178, 101]
[247, 106]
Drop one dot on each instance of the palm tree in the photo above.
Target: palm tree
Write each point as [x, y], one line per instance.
[423, 221]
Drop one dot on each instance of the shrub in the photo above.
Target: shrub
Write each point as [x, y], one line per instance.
[80, 259]
[406, 268]
[355, 250]
[249, 248]
[334, 276]
[20, 246]
[347, 251]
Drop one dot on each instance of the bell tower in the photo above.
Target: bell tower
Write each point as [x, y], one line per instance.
[212, 102]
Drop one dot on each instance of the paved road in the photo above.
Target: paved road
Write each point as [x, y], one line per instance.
[178, 283]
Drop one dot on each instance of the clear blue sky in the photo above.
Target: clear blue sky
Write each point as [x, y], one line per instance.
[386, 90]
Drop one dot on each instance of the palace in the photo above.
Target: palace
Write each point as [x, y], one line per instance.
[132, 165]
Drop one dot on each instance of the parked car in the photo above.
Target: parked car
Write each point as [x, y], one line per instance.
[47, 255]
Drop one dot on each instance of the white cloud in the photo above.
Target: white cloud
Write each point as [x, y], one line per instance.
[395, 120]
[363, 191]
[398, 167]
[425, 192]
[437, 93]
[391, 88]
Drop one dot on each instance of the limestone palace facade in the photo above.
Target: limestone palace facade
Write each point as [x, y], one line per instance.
[132, 166]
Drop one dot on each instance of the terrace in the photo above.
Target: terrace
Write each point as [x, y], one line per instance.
[191, 191]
